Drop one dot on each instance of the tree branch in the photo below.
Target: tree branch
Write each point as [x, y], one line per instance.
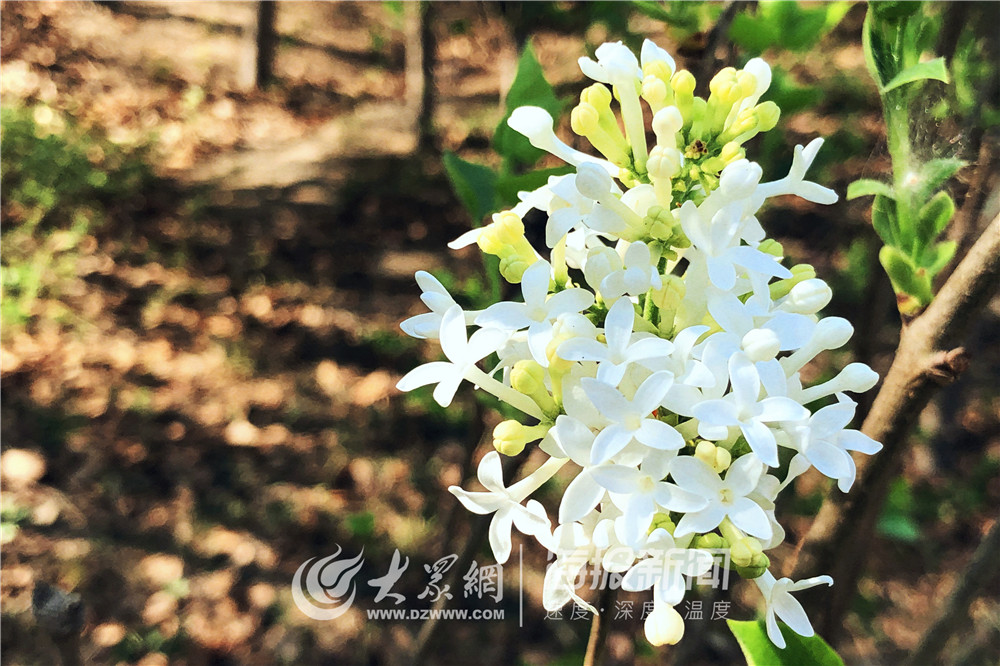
[970, 584]
[928, 356]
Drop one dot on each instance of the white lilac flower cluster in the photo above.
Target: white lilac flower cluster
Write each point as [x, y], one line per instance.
[657, 347]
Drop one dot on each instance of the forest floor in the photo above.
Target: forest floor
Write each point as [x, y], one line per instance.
[200, 396]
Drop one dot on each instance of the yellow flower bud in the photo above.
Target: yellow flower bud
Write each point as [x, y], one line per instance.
[510, 437]
[584, 119]
[767, 116]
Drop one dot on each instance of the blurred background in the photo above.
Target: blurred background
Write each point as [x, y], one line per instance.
[212, 213]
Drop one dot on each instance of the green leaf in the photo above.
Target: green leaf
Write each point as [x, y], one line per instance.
[932, 69]
[934, 217]
[906, 278]
[866, 187]
[937, 257]
[877, 48]
[791, 25]
[760, 651]
[528, 89]
[899, 527]
[475, 185]
[936, 173]
[884, 219]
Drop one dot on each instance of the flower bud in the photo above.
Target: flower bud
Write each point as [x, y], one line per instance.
[709, 541]
[761, 344]
[597, 95]
[771, 247]
[808, 297]
[528, 377]
[659, 69]
[767, 116]
[510, 437]
[857, 378]
[662, 521]
[655, 92]
[833, 332]
[683, 82]
[584, 119]
[664, 626]
[667, 122]
[743, 551]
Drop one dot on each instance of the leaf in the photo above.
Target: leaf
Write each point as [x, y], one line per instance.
[932, 69]
[906, 278]
[936, 173]
[899, 527]
[877, 49]
[474, 184]
[934, 216]
[884, 219]
[866, 187]
[936, 258]
[791, 25]
[760, 651]
[528, 89]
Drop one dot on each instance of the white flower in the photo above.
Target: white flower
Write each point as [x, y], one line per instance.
[726, 497]
[717, 244]
[537, 311]
[616, 65]
[664, 571]
[637, 275]
[795, 182]
[437, 298]
[640, 493]
[621, 348]
[535, 123]
[505, 504]
[463, 353]
[743, 409]
[824, 442]
[630, 419]
[781, 604]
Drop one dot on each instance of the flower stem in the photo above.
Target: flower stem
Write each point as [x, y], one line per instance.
[504, 392]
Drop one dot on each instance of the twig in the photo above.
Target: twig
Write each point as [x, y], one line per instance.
[481, 526]
[971, 583]
[927, 357]
[599, 626]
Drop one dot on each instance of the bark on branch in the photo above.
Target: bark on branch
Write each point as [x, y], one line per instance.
[928, 356]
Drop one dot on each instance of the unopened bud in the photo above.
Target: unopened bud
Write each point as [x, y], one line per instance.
[761, 344]
[584, 119]
[771, 247]
[664, 626]
[808, 297]
[767, 116]
[833, 332]
[510, 437]
[662, 521]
